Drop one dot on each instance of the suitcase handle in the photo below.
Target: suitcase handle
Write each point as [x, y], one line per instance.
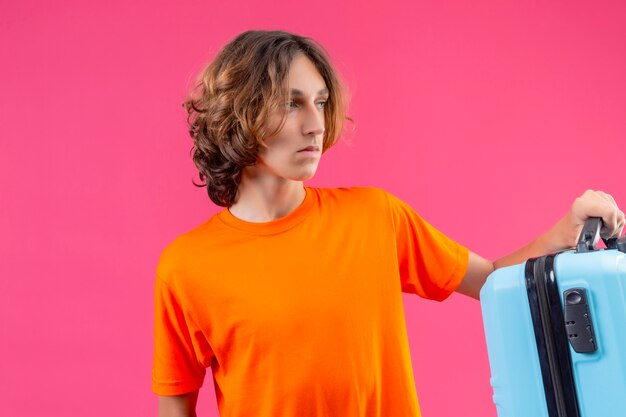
[590, 234]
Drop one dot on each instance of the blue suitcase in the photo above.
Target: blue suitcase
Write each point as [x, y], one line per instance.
[556, 332]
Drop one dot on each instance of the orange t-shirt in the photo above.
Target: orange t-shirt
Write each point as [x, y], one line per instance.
[301, 316]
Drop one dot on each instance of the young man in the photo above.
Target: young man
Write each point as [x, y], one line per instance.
[292, 295]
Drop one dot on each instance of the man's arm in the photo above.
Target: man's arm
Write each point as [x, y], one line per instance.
[178, 405]
[561, 237]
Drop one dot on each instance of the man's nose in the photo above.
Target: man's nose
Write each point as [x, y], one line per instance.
[313, 123]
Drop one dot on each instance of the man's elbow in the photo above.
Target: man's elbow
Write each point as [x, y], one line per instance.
[178, 405]
[478, 269]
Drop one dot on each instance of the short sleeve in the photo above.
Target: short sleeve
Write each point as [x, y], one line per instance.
[431, 264]
[179, 349]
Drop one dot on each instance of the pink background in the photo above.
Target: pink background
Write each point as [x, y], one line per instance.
[488, 117]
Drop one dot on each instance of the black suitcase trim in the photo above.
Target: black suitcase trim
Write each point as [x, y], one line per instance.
[546, 374]
[551, 337]
[561, 342]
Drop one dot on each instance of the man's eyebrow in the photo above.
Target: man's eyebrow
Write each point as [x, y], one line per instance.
[297, 93]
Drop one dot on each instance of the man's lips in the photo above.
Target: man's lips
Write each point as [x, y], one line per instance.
[310, 149]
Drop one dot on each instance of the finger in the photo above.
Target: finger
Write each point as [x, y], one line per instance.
[617, 218]
[600, 204]
[592, 204]
[608, 197]
[621, 222]
[611, 224]
[612, 200]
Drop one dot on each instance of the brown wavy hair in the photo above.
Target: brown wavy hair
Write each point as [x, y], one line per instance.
[229, 107]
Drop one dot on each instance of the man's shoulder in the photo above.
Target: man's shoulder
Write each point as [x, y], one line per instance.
[358, 194]
[186, 246]
[353, 203]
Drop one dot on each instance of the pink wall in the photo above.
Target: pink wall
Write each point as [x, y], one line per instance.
[489, 117]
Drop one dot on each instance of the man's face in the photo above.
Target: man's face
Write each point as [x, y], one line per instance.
[295, 151]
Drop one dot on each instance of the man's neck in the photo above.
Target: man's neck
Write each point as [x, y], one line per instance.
[263, 199]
